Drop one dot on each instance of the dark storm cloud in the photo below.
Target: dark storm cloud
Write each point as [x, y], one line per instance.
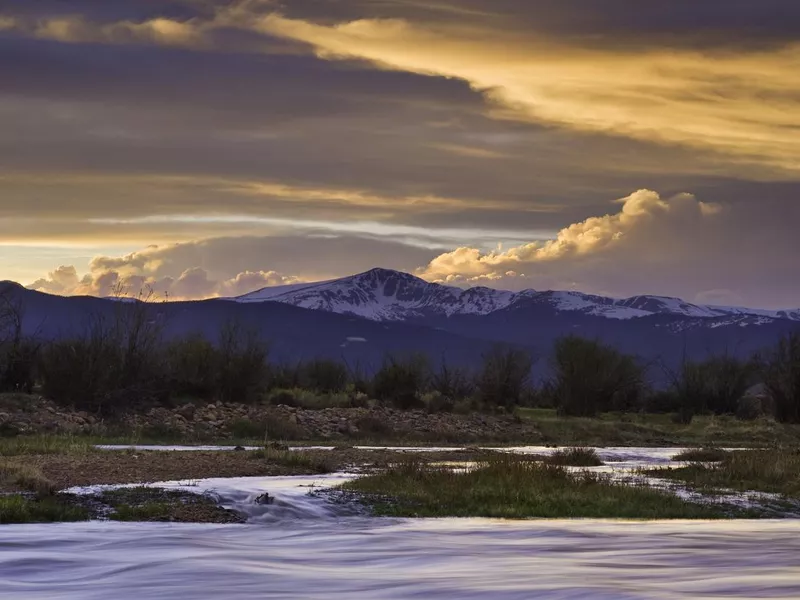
[180, 120]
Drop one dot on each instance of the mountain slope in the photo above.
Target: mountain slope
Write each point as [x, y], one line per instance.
[386, 295]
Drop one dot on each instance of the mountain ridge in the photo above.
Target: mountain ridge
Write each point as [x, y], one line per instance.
[388, 295]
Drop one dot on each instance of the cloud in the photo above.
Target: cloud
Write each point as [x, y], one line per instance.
[222, 267]
[677, 246]
[713, 101]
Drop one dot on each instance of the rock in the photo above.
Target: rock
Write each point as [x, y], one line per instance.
[187, 411]
[279, 446]
[265, 498]
[239, 449]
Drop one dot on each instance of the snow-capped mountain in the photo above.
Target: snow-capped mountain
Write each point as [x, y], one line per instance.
[387, 295]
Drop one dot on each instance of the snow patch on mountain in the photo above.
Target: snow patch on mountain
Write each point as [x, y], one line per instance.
[386, 295]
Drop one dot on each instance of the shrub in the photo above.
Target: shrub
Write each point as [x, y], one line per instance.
[701, 455]
[714, 385]
[435, 402]
[504, 377]
[591, 377]
[18, 359]
[242, 364]
[372, 427]
[247, 429]
[780, 373]
[283, 397]
[192, 365]
[325, 376]
[749, 408]
[452, 382]
[281, 428]
[575, 457]
[402, 381]
[114, 365]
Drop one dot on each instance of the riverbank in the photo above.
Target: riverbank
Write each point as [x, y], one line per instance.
[232, 424]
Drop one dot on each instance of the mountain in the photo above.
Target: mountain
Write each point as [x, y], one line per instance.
[362, 318]
[386, 295]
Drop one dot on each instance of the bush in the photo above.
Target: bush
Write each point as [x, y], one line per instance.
[575, 457]
[401, 382]
[435, 402]
[324, 376]
[780, 373]
[113, 366]
[242, 366]
[192, 364]
[242, 429]
[749, 408]
[714, 385]
[591, 377]
[452, 382]
[371, 427]
[504, 377]
[662, 401]
[18, 359]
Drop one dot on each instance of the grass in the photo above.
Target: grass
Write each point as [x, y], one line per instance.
[773, 471]
[575, 457]
[640, 429]
[17, 508]
[44, 444]
[142, 503]
[701, 455]
[514, 488]
[317, 462]
[25, 477]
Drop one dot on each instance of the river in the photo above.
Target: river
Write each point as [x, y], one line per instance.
[304, 547]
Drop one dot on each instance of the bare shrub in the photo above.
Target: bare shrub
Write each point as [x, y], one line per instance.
[402, 381]
[504, 376]
[780, 373]
[591, 377]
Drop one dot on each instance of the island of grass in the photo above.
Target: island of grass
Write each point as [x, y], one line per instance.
[519, 488]
[775, 471]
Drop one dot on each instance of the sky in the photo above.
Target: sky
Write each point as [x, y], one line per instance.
[209, 148]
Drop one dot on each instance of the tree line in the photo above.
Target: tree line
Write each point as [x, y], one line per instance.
[122, 362]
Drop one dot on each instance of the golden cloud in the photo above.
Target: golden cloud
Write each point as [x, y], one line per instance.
[641, 230]
[742, 105]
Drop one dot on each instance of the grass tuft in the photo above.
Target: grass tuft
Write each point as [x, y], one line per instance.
[772, 471]
[512, 487]
[44, 444]
[27, 478]
[316, 462]
[17, 508]
[701, 455]
[575, 457]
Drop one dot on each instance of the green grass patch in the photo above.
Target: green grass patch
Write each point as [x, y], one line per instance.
[142, 503]
[316, 462]
[44, 444]
[647, 429]
[515, 488]
[701, 455]
[773, 471]
[17, 508]
[26, 478]
[574, 457]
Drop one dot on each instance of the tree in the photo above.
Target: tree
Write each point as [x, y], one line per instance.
[402, 381]
[591, 377]
[780, 373]
[504, 376]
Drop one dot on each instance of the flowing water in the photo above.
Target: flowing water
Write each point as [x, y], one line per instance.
[305, 547]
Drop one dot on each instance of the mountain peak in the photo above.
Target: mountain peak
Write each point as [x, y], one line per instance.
[389, 295]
